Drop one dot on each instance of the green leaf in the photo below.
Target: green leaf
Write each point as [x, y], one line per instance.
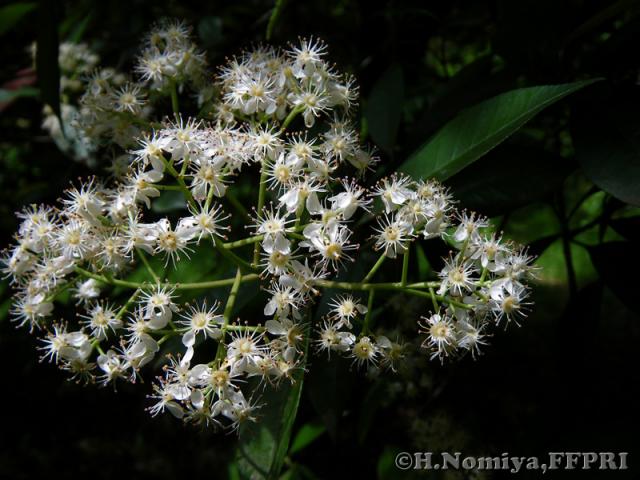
[210, 31]
[273, 18]
[305, 436]
[263, 445]
[607, 142]
[47, 67]
[609, 259]
[11, 14]
[9, 95]
[383, 110]
[628, 227]
[493, 185]
[480, 128]
[78, 30]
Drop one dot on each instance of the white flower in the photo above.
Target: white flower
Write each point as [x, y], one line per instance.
[152, 151]
[201, 320]
[284, 301]
[208, 176]
[244, 349]
[393, 235]
[129, 98]
[457, 277]
[364, 352]
[101, 319]
[394, 192]
[350, 200]
[174, 242]
[271, 223]
[330, 338]
[206, 221]
[277, 254]
[87, 290]
[469, 227]
[63, 345]
[507, 301]
[31, 309]
[344, 309]
[441, 336]
[331, 244]
[158, 306]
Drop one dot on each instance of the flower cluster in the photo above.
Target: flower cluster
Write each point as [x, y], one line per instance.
[105, 245]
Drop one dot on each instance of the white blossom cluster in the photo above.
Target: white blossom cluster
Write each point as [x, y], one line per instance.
[76, 62]
[104, 108]
[303, 233]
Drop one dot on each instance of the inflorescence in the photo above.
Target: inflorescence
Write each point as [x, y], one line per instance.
[309, 201]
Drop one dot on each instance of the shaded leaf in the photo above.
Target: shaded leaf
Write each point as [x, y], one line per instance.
[78, 30]
[607, 142]
[10, 95]
[11, 14]
[210, 31]
[169, 201]
[494, 184]
[307, 434]
[628, 227]
[480, 128]
[263, 445]
[383, 110]
[608, 259]
[47, 66]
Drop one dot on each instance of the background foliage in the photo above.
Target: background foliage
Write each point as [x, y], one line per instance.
[555, 167]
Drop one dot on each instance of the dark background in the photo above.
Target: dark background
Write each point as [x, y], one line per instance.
[567, 380]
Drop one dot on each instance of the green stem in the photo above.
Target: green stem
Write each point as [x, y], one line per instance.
[183, 186]
[252, 277]
[277, 8]
[178, 286]
[374, 269]
[177, 188]
[405, 267]
[228, 310]
[292, 114]
[174, 99]
[372, 286]
[299, 212]
[245, 328]
[261, 198]
[126, 306]
[367, 317]
[444, 299]
[237, 204]
[434, 301]
[103, 279]
[243, 264]
[243, 242]
[147, 265]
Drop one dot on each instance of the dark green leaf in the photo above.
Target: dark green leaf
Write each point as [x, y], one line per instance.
[384, 108]
[9, 95]
[78, 30]
[494, 184]
[610, 259]
[210, 31]
[480, 128]
[263, 445]
[628, 227]
[169, 201]
[47, 66]
[607, 142]
[305, 436]
[11, 14]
